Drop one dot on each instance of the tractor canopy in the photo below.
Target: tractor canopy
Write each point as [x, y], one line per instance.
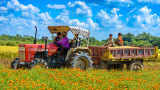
[75, 30]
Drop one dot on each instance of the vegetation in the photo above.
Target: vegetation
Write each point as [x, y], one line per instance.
[61, 79]
[8, 52]
[144, 39]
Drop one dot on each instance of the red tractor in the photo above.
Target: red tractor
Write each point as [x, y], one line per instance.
[31, 55]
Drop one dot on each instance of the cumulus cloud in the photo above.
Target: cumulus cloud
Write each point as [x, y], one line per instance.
[92, 25]
[81, 8]
[3, 9]
[15, 5]
[119, 1]
[56, 6]
[144, 19]
[149, 1]
[2, 18]
[45, 16]
[109, 20]
[24, 24]
[111, 3]
[28, 15]
[64, 19]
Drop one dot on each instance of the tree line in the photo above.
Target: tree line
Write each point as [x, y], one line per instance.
[143, 39]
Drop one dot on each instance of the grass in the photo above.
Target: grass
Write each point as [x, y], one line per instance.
[69, 79]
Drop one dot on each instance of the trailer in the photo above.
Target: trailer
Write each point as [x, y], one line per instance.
[116, 57]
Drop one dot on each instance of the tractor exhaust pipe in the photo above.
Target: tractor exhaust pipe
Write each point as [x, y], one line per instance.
[35, 36]
[45, 52]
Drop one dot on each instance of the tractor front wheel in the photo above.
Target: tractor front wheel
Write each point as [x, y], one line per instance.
[38, 63]
[15, 63]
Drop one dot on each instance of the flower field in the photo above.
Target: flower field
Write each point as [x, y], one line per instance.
[69, 79]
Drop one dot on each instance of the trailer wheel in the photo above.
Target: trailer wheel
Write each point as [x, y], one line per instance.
[80, 60]
[38, 63]
[135, 66]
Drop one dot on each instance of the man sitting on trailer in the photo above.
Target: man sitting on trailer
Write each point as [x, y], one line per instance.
[119, 42]
[110, 41]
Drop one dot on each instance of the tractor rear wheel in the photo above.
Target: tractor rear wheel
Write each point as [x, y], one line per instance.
[80, 60]
[40, 63]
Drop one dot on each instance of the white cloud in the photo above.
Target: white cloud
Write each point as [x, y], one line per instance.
[109, 20]
[94, 4]
[63, 19]
[23, 26]
[145, 10]
[34, 23]
[2, 18]
[70, 4]
[114, 10]
[14, 4]
[149, 1]
[3, 8]
[45, 16]
[144, 19]
[93, 26]
[56, 6]
[28, 15]
[81, 8]
[120, 1]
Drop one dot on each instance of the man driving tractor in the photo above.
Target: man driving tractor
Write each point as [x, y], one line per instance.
[58, 38]
[64, 43]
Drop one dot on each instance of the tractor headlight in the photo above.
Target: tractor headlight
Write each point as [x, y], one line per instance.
[21, 48]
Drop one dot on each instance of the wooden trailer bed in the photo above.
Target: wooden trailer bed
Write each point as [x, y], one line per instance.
[123, 53]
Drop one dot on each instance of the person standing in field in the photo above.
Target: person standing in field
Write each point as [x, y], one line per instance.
[119, 41]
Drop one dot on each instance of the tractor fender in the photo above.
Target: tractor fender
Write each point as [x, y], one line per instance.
[84, 49]
[78, 49]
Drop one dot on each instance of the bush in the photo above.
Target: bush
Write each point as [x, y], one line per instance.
[11, 44]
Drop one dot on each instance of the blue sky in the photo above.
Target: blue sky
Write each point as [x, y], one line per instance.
[101, 17]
